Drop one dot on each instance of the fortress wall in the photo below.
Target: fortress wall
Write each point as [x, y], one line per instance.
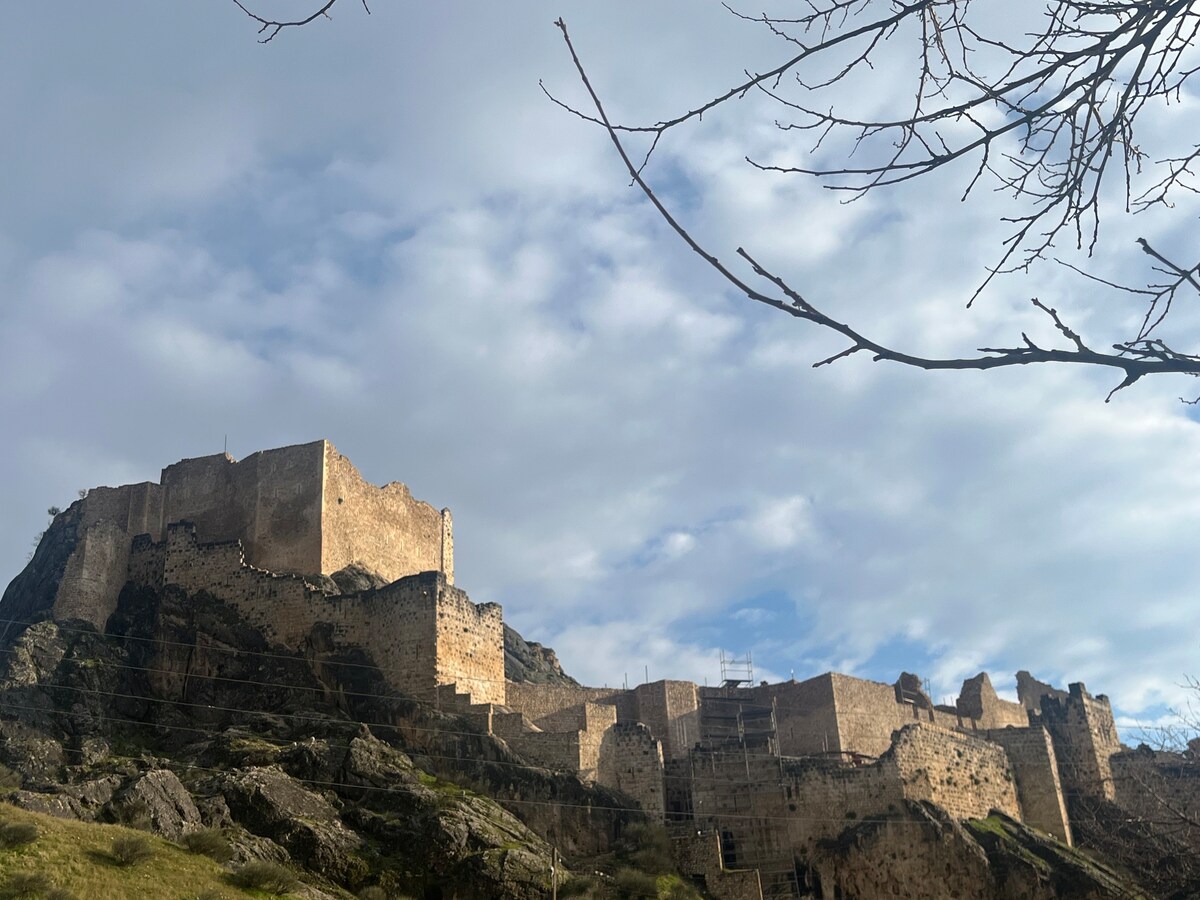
[965, 776]
[94, 575]
[598, 718]
[978, 700]
[699, 856]
[395, 624]
[821, 798]
[146, 561]
[1036, 772]
[867, 714]
[1162, 787]
[1030, 691]
[200, 491]
[553, 705]
[382, 528]
[631, 761]
[279, 493]
[672, 711]
[1085, 737]
[134, 508]
[558, 751]
[470, 645]
[805, 716]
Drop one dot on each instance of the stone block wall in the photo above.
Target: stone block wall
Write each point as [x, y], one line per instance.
[419, 631]
[631, 761]
[470, 645]
[806, 718]
[671, 709]
[867, 714]
[965, 776]
[979, 702]
[94, 575]
[558, 707]
[302, 509]
[1035, 769]
[1085, 737]
[382, 528]
[698, 856]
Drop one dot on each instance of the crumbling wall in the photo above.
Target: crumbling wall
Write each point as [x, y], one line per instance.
[1035, 769]
[413, 628]
[381, 528]
[631, 761]
[672, 711]
[1085, 737]
[470, 645]
[556, 706]
[978, 701]
[698, 856]
[1030, 691]
[965, 776]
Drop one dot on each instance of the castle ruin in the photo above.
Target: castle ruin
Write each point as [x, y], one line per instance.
[757, 775]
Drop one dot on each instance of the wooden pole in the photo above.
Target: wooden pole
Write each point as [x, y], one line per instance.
[553, 873]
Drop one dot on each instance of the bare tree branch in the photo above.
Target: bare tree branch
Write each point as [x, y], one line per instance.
[272, 27]
[1135, 359]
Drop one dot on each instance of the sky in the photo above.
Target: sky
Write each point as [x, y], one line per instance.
[378, 230]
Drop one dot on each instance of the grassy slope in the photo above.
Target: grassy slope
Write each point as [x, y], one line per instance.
[75, 855]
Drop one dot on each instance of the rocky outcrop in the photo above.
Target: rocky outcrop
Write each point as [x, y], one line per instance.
[217, 728]
[527, 661]
[920, 851]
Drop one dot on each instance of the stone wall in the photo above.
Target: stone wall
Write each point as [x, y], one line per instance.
[698, 856]
[1035, 769]
[1085, 737]
[979, 702]
[302, 509]
[381, 528]
[671, 709]
[420, 631]
[554, 707]
[867, 714]
[965, 776]
[631, 761]
[94, 575]
[470, 645]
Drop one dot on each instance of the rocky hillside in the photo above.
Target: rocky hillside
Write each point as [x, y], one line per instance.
[182, 717]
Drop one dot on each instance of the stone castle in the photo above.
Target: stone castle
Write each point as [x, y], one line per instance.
[758, 774]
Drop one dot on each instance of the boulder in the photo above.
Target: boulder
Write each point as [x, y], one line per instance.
[161, 797]
[269, 803]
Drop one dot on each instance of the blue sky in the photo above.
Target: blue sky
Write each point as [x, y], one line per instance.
[378, 230]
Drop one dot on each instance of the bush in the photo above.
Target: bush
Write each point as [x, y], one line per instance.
[265, 876]
[17, 834]
[129, 850]
[25, 884]
[639, 884]
[373, 893]
[210, 842]
[9, 780]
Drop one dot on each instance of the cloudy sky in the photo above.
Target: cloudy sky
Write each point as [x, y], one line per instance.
[378, 230]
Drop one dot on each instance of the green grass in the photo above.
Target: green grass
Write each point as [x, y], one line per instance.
[77, 856]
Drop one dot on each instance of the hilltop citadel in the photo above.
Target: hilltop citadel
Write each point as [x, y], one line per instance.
[755, 776]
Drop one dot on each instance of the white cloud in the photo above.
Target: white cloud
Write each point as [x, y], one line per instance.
[456, 285]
